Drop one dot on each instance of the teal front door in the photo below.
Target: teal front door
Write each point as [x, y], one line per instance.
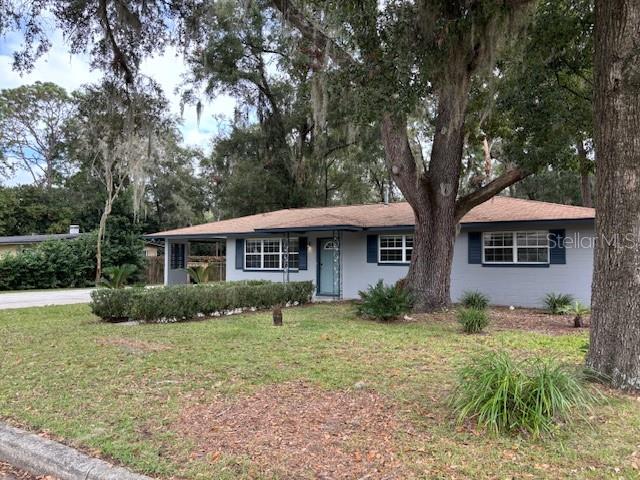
[327, 277]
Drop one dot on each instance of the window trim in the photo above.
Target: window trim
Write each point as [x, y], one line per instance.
[280, 254]
[403, 248]
[514, 247]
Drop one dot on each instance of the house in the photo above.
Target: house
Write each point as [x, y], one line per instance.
[513, 250]
[17, 243]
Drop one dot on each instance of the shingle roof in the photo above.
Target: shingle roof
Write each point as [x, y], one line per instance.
[498, 209]
[28, 239]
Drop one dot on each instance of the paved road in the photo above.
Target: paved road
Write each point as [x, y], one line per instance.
[43, 298]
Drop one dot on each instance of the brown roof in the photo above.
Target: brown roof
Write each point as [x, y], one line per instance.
[378, 215]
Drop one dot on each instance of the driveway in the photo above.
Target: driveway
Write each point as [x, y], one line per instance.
[42, 298]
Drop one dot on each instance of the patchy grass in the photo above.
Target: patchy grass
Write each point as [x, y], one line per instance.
[128, 393]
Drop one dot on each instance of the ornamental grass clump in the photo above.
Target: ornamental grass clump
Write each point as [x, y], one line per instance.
[556, 302]
[503, 395]
[382, 302]
[474, 299]
[472, 320]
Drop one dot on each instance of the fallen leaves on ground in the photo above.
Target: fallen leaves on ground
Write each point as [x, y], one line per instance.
[296, 430]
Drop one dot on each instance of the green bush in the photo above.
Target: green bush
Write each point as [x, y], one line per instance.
[63, 263]
[114, 305]
[383, 302]
[556, 302]
[504, 395]
[475, 299]
[472, 319]
[187, 302]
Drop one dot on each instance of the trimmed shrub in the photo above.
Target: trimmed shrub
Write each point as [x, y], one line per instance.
[187, 302]
[383, 302]
[556, 302]
[114, 305]
[472, 320]
[504, 395]
[474, 299]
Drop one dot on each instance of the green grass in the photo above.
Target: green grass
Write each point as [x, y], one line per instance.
[60, 373]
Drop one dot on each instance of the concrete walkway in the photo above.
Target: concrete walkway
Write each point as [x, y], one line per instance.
[42, 298]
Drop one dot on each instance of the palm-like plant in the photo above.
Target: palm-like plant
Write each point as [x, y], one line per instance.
[199, 273]
[578, 310]
[117, 276]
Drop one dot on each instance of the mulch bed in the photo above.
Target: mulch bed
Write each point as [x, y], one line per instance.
[7, 472]
[534, 320]
[529, 319]
[296, 430]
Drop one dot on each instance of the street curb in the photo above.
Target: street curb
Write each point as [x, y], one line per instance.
[40, 456]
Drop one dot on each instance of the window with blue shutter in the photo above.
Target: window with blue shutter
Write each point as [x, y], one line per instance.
[475, 247]
[372, 248]
[557, 251]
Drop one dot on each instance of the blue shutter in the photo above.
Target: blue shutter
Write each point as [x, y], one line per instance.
[372, 248]
[475, 247]
[302, 253]
[182, 254]
[557, 252]
[239, 253]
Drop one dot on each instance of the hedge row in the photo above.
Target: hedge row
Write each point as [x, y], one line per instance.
[64, 263]
[187, 302]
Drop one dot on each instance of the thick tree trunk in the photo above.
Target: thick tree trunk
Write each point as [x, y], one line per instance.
[585, 175]
[615, 323]
[432, 194]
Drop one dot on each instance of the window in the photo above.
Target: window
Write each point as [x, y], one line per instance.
[395, 248]
[177, 259]
[269, 254]
[515, 247]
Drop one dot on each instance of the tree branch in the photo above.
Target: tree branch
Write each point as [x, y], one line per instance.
[466, 203]
[294, 16]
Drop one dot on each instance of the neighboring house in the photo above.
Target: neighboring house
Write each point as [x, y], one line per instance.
[17, 243]
[151, 249]
[513, 250]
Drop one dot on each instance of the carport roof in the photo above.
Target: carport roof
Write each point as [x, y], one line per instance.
[377, 216]
[29, 239]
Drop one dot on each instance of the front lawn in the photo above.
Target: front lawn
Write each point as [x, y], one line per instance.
[328, 395]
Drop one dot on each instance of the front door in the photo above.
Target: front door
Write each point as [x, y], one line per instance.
[327, 278]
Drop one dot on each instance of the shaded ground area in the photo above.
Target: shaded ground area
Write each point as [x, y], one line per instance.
[296, 430]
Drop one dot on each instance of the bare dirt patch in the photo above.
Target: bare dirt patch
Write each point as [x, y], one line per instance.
[529, 319]
[131, 345]
[296, 430]
[534, 320]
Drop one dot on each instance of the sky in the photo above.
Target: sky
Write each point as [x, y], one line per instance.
[72, 71]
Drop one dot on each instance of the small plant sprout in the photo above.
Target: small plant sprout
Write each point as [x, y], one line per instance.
[578, 310]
